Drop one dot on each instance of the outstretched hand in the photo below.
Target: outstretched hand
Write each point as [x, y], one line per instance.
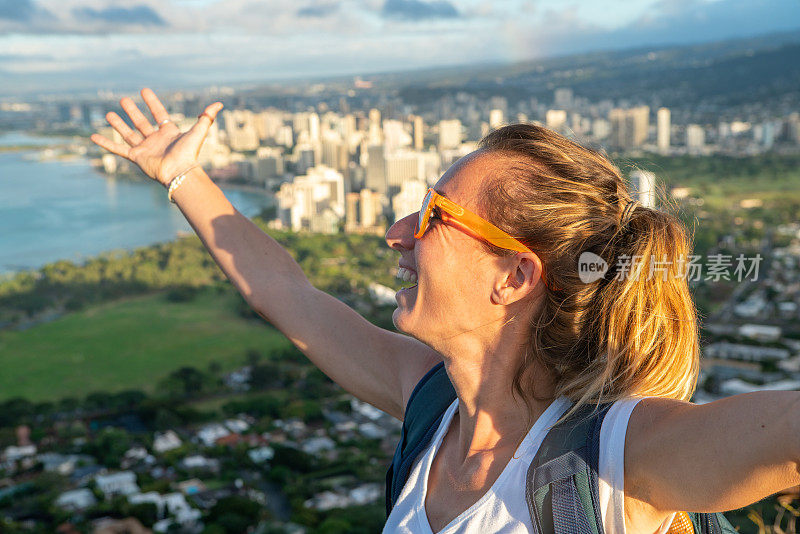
[160, 151]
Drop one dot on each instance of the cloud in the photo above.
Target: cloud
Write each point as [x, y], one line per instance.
[136, 15]
[230, 40]
[80, 17]
[19, 14]
[321, 10]
[20, 10]
[680, 21]
[666, 22]
[419, 10]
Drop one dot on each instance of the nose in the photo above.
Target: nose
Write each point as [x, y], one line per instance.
[401, 233]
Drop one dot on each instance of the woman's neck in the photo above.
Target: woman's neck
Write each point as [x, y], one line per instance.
[490, 416]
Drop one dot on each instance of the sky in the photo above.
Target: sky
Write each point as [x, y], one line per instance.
[64, 45]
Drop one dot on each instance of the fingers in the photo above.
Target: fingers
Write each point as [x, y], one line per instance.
[138, 119]
[130, 136]
[111, 146]
[205, 119]
[210, 112]
[156, 107]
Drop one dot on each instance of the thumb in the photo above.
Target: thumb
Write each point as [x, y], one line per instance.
[204, 121]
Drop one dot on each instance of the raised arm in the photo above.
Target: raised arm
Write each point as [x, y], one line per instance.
[712, 457]
[377, 366]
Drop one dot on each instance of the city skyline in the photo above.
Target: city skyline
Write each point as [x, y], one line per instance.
[93, 44]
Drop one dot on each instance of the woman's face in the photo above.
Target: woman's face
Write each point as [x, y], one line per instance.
[454, 271]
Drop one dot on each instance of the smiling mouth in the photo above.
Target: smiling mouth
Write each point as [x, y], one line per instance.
[408, 277]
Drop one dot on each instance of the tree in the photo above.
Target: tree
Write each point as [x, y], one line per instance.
[109, 446]
[187, 382]
[235, 514]
[146, 513]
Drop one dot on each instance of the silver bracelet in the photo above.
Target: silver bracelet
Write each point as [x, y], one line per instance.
[177, 181]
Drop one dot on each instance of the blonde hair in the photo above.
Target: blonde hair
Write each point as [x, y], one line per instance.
[630, 332]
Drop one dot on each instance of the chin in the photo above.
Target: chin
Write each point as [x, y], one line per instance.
[399, 321]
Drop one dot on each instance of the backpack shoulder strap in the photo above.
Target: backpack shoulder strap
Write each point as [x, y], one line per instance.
[562, 486]
[431, 397]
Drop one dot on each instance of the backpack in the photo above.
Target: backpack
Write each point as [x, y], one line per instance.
[562, 480]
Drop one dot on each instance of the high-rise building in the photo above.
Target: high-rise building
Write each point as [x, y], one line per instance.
[395, 135]
[629, 127]
[374, 131]
[304, 157]
[268, 123]
[643, 187]
[364, 213]
[419, 132]
[351, 223]
[376, 169]
[496, 119]
[334, 151]
[601, 129]
[307, 122]
[401, 167]
[556, 119]
[240, 126]
[695, 138]
[313, 202]
[370, 208]
[408, 200]
[269, 163]
[663, 129]
[449, 134]
[284, 136]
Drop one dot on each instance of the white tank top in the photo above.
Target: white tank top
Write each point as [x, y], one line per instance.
[503, 509]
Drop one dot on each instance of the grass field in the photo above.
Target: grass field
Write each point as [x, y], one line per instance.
[129, 344]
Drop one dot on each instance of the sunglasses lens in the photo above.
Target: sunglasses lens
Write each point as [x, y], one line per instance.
[423, 211]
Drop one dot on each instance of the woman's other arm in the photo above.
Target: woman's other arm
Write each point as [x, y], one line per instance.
[377, 366]
[713, 457]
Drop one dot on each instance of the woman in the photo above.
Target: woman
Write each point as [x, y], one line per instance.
[523, 339]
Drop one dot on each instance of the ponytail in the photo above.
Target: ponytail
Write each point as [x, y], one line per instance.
[632, 331]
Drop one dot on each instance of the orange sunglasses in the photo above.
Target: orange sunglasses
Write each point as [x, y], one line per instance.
[478, 225]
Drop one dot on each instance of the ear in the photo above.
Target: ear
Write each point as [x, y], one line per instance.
[520, 278]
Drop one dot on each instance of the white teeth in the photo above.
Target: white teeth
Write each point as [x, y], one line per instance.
[406, 275]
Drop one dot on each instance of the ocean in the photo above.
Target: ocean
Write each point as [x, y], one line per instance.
[65, 209]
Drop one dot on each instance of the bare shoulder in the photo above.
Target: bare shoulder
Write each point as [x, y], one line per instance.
[643, 426]
[648, 428]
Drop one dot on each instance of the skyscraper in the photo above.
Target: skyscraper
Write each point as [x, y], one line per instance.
[407, 200]
[313, 202]
[496, 119]
[449, 134]
[376, 169]
[556, 119]
[395, 135]
[240, 125]
[419, 133]
[663, 127]
[375, 132]
[643, 187]
[629, 127]
[695, 138]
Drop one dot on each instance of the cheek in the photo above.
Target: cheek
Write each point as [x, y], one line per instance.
[454, 280]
